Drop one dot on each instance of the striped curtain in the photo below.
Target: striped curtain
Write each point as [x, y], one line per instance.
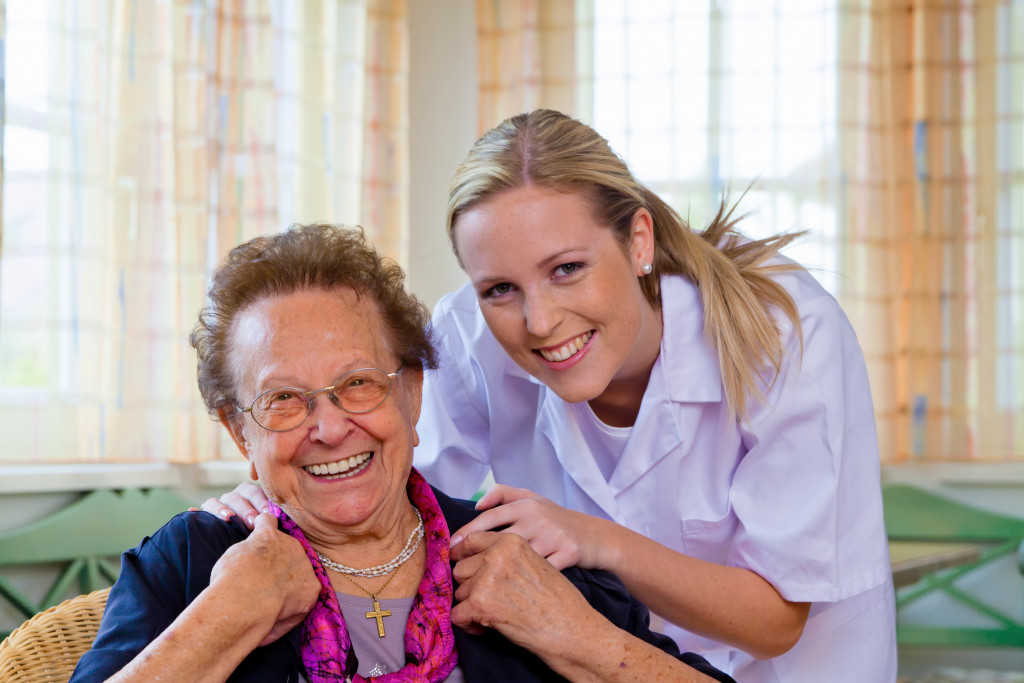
[142, 141]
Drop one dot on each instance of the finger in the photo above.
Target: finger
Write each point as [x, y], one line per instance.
[499, 494]
[473, 544]
[462, 617]
[560, 560]
[242, 506]
[464, 574]
[501, 516]
[215, 507]
[254, 494]
[265, 521]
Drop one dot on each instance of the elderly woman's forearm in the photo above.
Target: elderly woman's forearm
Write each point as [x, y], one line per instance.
[205, 644]
[606, 654]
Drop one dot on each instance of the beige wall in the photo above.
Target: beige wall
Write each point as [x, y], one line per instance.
[442, 126]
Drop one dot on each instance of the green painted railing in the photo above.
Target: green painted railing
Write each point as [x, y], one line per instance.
[87, 538]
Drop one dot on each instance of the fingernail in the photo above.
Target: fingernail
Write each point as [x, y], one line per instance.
[456, 539]
[225, 513]
[251, 520]
[265, 509]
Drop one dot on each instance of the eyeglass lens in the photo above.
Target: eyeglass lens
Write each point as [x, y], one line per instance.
[359, 391]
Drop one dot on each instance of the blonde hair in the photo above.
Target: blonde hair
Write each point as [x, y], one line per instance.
[549, 149]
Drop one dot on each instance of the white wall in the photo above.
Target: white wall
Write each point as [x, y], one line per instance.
[442, 126]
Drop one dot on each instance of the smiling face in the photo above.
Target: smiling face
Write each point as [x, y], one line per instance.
[307, 340]
[561, 295]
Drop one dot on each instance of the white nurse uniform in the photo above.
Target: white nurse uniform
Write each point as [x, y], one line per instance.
[792, 493]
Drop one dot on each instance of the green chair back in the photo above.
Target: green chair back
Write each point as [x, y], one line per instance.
[86, 538]
[914, 514]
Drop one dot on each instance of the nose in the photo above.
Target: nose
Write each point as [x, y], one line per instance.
[541, 314]
[330, 424]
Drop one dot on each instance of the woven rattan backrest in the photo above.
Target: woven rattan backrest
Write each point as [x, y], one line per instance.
[47, 646]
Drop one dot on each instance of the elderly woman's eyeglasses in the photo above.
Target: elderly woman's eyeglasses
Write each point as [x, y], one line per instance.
[359, 391]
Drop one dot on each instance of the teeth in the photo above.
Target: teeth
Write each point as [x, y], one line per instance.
[567, 350]
[338, 467]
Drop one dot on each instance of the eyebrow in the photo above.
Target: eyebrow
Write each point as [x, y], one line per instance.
[272, 381]
[543, 263]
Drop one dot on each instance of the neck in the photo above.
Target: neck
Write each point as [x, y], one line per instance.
[619, 404]
[370, 547]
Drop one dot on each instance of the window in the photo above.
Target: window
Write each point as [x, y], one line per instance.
[701, 98]
[141, 142]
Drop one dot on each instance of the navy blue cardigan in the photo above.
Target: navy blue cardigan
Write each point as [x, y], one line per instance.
[161, 576]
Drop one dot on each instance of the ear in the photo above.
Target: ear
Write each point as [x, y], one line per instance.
[413, 390]
[232, 421]
[641, 240]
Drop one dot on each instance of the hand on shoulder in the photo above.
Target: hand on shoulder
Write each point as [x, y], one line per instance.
[565, 537]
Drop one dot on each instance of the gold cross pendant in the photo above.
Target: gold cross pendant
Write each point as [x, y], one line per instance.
[379, 615]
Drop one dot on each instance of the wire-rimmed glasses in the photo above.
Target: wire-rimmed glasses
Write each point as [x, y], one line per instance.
[359, 391]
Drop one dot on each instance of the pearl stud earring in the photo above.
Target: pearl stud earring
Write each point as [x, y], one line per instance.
[646, 268]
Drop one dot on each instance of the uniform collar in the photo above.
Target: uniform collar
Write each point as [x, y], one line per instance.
[688, 359]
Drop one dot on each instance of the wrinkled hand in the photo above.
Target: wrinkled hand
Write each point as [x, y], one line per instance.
[566, 538]
[272, 569]
[246, 501]
[506, 586]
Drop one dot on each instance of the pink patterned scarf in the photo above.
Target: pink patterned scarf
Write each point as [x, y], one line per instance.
[430, 654]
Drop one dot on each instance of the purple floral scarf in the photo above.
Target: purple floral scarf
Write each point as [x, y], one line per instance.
[430, 654]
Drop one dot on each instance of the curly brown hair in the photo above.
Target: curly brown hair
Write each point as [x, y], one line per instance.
[303, 257]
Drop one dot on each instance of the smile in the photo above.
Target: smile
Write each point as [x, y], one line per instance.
[341, 469]
[567, 350]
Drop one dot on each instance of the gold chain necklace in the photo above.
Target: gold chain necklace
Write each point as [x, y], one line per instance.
[377, 613]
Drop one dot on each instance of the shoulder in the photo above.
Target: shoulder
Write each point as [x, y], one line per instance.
[158, 579]
[190, 543]
[457, 316]
[457, 511]
[200, 530]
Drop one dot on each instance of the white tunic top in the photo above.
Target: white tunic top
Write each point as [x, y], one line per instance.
[792, 494]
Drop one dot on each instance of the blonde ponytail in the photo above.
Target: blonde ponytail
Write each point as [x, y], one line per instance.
[738, 295]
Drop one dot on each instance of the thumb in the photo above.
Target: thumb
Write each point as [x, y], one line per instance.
[265, 520]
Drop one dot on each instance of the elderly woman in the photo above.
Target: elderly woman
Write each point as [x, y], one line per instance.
[311, 353]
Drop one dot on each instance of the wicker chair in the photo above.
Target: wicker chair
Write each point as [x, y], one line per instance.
[47, 646]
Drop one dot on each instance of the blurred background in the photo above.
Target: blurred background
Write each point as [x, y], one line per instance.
[142, 139]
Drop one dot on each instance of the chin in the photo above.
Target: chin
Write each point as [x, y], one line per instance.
[574, 393]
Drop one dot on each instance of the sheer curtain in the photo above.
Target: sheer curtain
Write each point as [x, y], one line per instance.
[142, 140]
[892, 131]
[934, 225]
[532, 54]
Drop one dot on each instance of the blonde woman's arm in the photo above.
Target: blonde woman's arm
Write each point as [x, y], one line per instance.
[728, 604]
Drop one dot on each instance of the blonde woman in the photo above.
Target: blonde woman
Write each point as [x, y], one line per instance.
[688, 410]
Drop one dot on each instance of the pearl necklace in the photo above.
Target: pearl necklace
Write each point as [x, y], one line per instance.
[382, 569]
